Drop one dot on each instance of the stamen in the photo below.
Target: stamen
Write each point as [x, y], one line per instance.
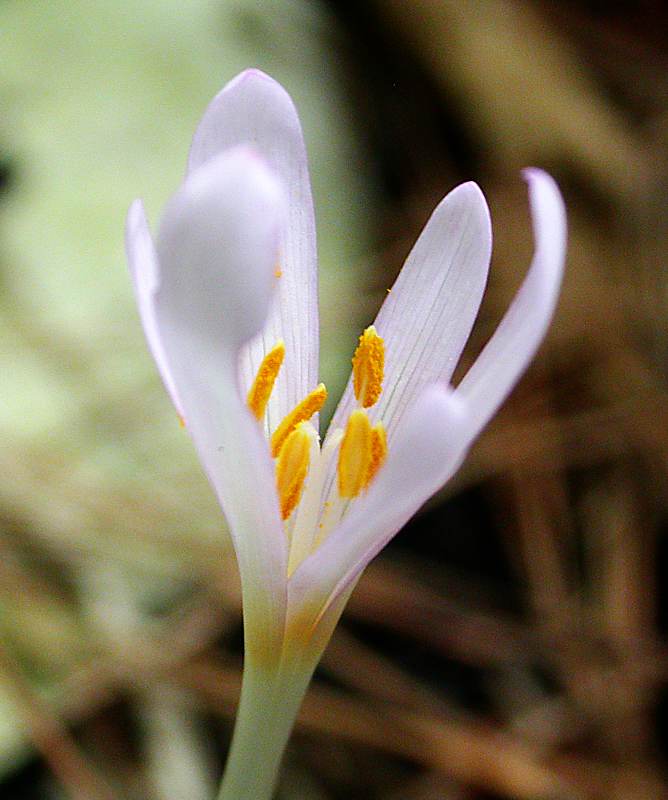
[355, 455]
[378, 452]
[260, 391]
[368, 366]
[303, 411]
[291, 469]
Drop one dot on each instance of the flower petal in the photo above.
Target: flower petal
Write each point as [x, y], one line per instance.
[216, 248]
[428, 314]
[515, 341]
[145, 274]
[429, 446]
[256, 110]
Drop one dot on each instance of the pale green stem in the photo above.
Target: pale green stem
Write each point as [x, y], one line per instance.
[271, 692]
[267, 709]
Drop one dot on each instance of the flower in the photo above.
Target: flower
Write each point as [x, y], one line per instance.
[228, 300]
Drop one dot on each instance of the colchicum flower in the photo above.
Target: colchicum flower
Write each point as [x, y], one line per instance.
[228, 300]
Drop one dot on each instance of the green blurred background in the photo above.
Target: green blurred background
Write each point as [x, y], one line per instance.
[510, 643]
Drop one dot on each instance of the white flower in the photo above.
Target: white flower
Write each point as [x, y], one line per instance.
[228, 300]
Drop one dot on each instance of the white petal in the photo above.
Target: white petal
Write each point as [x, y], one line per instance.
[515, 341]
[216, 249]
[428, 314]
[254, 109]
[216, 246]
[145, 275]
[428, 447]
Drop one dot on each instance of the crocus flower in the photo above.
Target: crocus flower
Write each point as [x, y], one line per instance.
[228, 299]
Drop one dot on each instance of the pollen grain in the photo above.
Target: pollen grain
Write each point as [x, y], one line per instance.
[292, 468]
[378, 452]
[260, 391]
[303, 411]
[355, 455]
[368, 367]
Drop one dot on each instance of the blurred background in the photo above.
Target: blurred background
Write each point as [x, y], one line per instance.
[510, 643]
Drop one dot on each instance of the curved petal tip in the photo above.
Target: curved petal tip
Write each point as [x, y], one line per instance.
[218, 247]
[548, 213]
[518, 336]
[251, 108]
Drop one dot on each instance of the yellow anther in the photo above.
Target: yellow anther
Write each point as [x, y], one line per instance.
[378, 452]
[260, 391]
[292, 467]
[303, 411]
[278, 272]
[355, 455]
[368, 365]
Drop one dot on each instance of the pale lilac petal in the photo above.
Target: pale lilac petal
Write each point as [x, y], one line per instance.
[429, 446]
[254, 109]
[428, 315]
[216, 248]
[515, 341]
[145, 275]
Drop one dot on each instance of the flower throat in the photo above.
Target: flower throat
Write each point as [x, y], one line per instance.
[295, 443]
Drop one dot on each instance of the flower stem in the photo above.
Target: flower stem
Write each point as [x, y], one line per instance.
[274, 683]
[267, 709]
